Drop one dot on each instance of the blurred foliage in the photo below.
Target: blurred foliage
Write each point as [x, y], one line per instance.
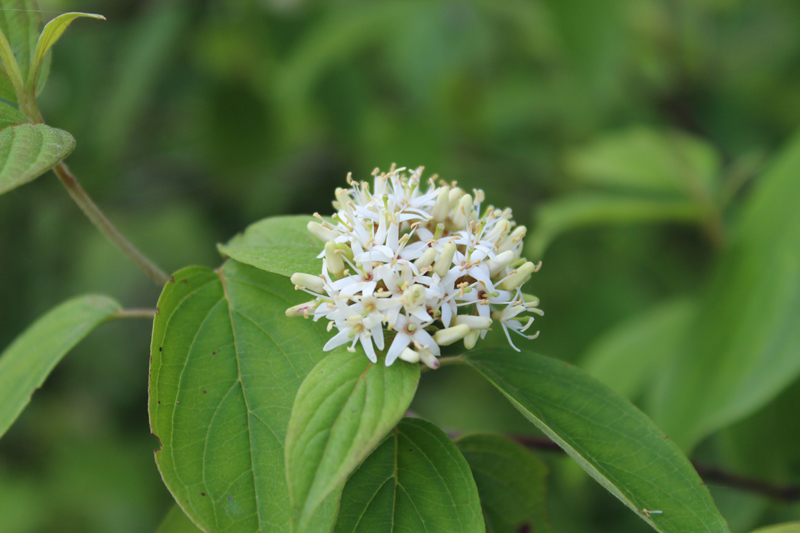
[648, 121]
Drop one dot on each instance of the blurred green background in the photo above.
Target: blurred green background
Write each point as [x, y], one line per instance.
[197, 118]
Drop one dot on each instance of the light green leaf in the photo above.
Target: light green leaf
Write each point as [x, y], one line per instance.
[50, 34]
[607, 436]
[27, 151]
[416, 480]
[627, 357]
[511, 483]
[742, 349]
[343, 410]
[787, 527]
[10, 115]
[27, 362]
[226, 366]
[20, 21]
[282, 245]
[589, 209]
[649, 160]
[176, 521]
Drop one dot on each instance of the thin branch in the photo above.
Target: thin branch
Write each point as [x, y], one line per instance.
[105, 226]
[134, 313]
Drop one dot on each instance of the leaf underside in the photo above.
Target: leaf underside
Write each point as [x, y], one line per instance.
[27, 151]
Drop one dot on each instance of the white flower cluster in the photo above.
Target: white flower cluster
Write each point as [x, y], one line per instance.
[427, 265]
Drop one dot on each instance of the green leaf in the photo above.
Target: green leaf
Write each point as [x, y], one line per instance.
[343, 410]
[282, 245]
[511, 483]
[742, 349]
[10, 115]
[649, 160]
[226, 366]
[50, 34]
[787, 527]
[589, 209]
[416, 480]
[627, 357]
[27, 362]
[176, 521]
[29, 150]
[20, 21]
[608, 437]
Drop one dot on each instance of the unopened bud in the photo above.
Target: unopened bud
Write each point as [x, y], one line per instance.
[333, 259]
[512, 240]
[463, 211]
[442, 206]
[499, 230]
[429, 359]
[302, 309]
[442, 265]
[500, 262]
[447, 336]
[519, 277]
[409, 355]
[307, 281]
[320, 232]
[471, 339]
[530, 300]
[455, 195]
[474, 322]
[426, 259]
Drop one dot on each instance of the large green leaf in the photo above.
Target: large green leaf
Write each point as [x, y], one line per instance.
[27, 362]
[743, 348]
[589, 209]
[416, 480]
[628, 356]
[20, 21]
[50, 34]
[226, 365]
[176, 521]
[343, 410]
[610, 439]
[282, 245]
[10, 115]
[27, 151]
[787, 527]
[511, 483]
[648, 159]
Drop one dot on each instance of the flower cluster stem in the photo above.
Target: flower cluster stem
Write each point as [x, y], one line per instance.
[105, 226]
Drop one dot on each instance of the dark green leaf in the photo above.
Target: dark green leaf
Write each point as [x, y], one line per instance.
[282, 245]
[31, 357]
[647, 159]
[176, 521]
[50, 34]
[574, 212]
[10, 115]
[27, 151]
[416, 480]
[343, 409]
[226, 366]
[610, 439]
[742, 349]
[627, 357]
[511, 483]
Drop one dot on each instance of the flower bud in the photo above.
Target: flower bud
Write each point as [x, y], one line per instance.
[519, 277]
[409, 355]
[500, 263]
[334, 260]
[455, 195]
[463, 211]
[474, 322]
[442, 206]
[442, 265]
[471, 339]
[302, 309]
[429, 359]
[447, 336]
[320, 232]
[307, 281]
[426, 259]
[511, 241]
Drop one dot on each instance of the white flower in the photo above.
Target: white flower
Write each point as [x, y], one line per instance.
[418, 265]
